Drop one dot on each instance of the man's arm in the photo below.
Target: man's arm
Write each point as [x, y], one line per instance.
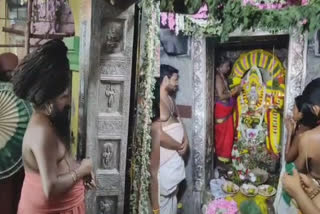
[222, 93]
[45, 150]
[306, 205]
[292, 143]
[185, 142]
[291, 183]
[168, 142]
[300, 162]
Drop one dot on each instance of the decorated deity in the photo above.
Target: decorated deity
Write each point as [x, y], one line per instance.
[259, 111]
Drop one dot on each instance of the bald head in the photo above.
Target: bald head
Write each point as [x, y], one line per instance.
[8, 62]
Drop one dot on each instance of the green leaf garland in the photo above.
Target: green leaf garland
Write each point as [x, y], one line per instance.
[226, 16]
[139, 198]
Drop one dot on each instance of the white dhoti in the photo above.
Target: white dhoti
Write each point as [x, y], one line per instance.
[172, 171]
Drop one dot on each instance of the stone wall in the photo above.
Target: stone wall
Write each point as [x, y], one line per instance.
[313, 62]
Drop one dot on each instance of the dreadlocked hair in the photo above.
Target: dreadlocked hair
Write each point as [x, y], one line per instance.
[44, 74]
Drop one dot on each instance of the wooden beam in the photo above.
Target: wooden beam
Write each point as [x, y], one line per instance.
[16, 46]
[37, 36]
[13, 31]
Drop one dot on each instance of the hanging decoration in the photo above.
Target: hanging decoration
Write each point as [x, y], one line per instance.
[226, 16]
[198, 24]
[268, 4]
[140, 176]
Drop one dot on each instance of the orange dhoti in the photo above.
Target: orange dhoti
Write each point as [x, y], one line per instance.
[34, 201]
[224, 129]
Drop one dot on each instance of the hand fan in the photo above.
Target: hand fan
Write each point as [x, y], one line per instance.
[14, 117]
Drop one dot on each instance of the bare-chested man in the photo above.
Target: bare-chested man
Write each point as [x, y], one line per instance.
[54, 182]
[308, 160]
[173, 142]
[306, 156]
[223, 113]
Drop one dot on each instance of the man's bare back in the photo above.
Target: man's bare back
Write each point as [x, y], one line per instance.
[30, 145]
[309, 147]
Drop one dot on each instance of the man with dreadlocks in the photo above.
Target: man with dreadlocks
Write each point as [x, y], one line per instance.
[53, 180]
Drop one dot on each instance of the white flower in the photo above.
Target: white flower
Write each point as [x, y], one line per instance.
[253, 179]
[242, 177]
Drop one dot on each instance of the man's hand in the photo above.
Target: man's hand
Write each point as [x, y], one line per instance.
[290, 124]
[184, 147]
[236, 90]
[291, 183]
[308, 184]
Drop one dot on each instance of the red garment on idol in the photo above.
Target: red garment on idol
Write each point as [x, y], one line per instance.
[33, 199]
[224, 131]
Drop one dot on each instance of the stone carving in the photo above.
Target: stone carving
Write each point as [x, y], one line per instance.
[113, 39]
[107, 156]
[110, 94]
[111, 127]
[198, 135]
[106, 206]
[115, 67]
[296, 71]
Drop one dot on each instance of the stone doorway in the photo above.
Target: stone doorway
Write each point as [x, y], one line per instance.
[202, 108]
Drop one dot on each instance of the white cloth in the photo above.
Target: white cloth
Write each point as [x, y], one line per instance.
[171, 174]
[172, 171]
[175, 131]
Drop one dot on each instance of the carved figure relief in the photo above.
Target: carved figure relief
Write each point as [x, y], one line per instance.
[110, 94]
[113, 37]
[105, 206]
[107, 156]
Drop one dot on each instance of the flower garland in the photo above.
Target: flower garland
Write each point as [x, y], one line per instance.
[139, 199]
[198, 24]
[269, 4]
[251, 137]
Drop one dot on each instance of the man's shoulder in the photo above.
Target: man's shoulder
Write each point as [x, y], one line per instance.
[219, 79]
[42, 126]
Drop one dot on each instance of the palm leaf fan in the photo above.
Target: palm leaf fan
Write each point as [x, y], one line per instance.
[14, 117]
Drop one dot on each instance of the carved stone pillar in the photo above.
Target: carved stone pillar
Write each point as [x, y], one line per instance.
[199, 119]
[295, 82]
[106, 69]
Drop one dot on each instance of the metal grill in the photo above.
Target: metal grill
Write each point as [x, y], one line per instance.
[29, 23]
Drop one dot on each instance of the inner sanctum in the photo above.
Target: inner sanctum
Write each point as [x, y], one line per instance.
[271, 70]
[259, 68]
